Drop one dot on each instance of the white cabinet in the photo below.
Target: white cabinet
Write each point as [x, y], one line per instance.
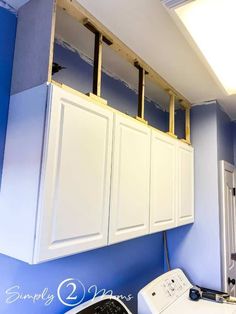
[185, 184]
[79, 175]
[74, 196]
[129, 209]
[172, 183]
[163, 202]
[57, 166]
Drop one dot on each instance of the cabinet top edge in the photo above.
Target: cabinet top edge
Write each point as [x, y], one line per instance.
[101, 102]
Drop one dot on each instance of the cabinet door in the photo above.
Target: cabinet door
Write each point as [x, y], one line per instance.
[129, 212]
[74, 198]
[185, 184]
[163, 203]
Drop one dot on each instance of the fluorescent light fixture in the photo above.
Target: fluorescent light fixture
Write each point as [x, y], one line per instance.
[212, 25]
[174, 3]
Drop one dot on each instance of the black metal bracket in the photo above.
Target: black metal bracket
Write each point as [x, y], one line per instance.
[97, 61]
[97, 64]
[141, 89]
[94, 30]
[57, 68]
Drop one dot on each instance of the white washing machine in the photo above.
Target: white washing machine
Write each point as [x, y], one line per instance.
[169, 294]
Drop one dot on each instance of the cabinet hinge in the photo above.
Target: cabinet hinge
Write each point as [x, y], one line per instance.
[234, 191]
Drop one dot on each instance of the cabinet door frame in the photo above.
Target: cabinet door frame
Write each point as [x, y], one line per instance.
[45, 249]
[117, 234]
[156, 226]
[189, 218]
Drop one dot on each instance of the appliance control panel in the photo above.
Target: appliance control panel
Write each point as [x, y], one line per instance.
[101, 305]
[162, 292]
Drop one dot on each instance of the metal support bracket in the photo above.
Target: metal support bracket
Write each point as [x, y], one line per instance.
[94, 30]
[141, 92]
[97, 63]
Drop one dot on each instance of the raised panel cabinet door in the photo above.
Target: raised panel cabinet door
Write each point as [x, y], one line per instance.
[129, 211]
[74, 196]
[163, 205]
[185, 184]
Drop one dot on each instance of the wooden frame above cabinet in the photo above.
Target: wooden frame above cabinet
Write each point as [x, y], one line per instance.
[34, 51]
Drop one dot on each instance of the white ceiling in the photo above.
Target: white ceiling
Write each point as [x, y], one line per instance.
[148, 29]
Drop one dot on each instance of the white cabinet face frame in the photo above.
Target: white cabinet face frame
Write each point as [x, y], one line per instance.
[185, 184]
[163, 195]
[129, 207]
[75, 185]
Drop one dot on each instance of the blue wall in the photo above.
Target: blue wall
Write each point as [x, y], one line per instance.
[180, 123]
[234, 139]
[196, 248]
[124, 268]
[225, 136]
[7, 42]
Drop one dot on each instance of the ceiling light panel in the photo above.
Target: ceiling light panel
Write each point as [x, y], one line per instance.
[175, 3]
[212, 24]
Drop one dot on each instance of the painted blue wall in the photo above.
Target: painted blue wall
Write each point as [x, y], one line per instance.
[124, 268]
[180, 123]
[7, 42]
[196, 248]
[234, 139]
[225, 136]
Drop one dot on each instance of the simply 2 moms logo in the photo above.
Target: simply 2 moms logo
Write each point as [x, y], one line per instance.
[70, 292]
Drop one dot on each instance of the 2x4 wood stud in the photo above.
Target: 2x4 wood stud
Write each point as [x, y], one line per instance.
[172, 114]
[187, 125]
[171, 131]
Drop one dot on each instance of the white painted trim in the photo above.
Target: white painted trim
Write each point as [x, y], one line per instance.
[223, 166]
